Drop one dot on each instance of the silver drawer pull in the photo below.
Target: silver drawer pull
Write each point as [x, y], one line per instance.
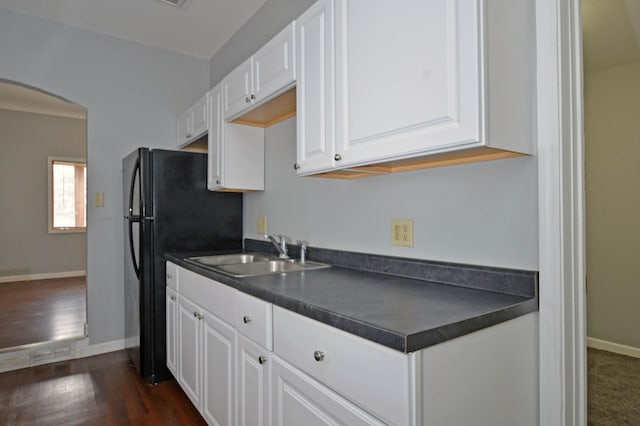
[262, 359]
[247, 319]
[173, 297]
[169, 276]
[318, 355]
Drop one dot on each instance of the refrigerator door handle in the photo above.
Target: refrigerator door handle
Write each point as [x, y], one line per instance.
[133, 218]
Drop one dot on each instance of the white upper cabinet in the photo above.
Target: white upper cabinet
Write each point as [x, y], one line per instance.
[315, 88]
[200, 118]
[237, 88]
[194, 122]
[416, 79]
[268, 72]
[235, 152]
[413, 86]
[274, 65]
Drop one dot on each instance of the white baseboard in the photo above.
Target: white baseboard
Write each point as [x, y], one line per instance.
[45, 276]
[613, 347]
[84, 349]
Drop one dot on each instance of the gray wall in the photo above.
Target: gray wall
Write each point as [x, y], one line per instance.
[612, 147]
[484, 213]
[273, 16]
[26, 245]
[132, 94]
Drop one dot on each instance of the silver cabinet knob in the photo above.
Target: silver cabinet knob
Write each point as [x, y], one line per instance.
[173, 298]
[217, 181]
[296, 166]
[262, 359]
[337, 157]
[169, 276]
[200, 316]
[195, 314]
[318, 355]
[253, 97]
[247, 319]
[247, 100]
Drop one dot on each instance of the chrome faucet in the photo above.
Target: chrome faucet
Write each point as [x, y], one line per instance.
[303, 251]
[281, 245]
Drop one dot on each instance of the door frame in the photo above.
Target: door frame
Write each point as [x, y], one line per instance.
[562, 351]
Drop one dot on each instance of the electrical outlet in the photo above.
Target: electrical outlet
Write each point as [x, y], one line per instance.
[402, 232]
[262, 225]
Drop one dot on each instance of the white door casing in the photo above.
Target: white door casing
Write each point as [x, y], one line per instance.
[561, 213]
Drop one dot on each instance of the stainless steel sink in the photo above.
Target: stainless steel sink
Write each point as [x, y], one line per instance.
[253, 264]
[230, 259]
[268, 267]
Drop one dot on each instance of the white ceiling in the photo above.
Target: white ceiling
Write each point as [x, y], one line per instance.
[200, 28]
[611, 33]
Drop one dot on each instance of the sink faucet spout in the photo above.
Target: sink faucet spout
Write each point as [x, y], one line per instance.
[281, 245]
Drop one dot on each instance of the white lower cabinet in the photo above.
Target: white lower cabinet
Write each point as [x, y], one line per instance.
[171, 318]
[218, 371]
[253, 376]
[297, 399]
[189, 348]
[319, 375]
[370, 375]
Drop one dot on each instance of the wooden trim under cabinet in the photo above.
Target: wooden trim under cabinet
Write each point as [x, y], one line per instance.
[271, 112]
[471, 155]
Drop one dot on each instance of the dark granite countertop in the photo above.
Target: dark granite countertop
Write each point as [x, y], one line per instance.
[402, 312]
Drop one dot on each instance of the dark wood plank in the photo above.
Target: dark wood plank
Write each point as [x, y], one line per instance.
[42, 311]
[100, 390]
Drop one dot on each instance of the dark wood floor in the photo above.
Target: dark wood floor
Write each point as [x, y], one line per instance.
[42, 310]
[100, 390]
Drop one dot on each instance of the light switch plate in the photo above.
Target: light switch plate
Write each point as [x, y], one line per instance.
[98, 199]
[262, 225]
[402, 232]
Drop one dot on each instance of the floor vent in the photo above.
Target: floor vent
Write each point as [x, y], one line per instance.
[51, 354]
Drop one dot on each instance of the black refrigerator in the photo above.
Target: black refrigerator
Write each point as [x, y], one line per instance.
[167, 209]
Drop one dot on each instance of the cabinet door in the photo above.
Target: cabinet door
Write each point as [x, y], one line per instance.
[183, 124]
[200, 116]
[297, 399]
[274, 65]
[237, 90]
[216, 139]
[315, 88]
[218, 370]
[172, 344]
[189, 341]
[253, 383]
[408, 79]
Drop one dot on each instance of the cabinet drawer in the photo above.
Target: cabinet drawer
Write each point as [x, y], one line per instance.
[211, 295]
[254, 319]
[172, 276]
[373, 376]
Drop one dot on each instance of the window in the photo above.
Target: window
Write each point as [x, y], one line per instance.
[67, 195]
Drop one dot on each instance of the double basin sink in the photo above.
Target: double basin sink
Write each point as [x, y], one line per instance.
[253, 264]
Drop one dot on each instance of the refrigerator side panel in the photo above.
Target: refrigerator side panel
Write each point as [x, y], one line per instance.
[187, 218]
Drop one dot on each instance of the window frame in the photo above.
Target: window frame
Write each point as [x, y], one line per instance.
[62, 230]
